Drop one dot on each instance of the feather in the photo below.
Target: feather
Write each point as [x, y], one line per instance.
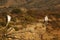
[8, 18]
[46, 18]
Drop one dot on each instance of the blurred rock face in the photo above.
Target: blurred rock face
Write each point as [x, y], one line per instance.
[42, 4]
[3, 2]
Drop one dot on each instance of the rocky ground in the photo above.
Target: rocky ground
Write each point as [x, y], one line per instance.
[27, 20]
[29, 25]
